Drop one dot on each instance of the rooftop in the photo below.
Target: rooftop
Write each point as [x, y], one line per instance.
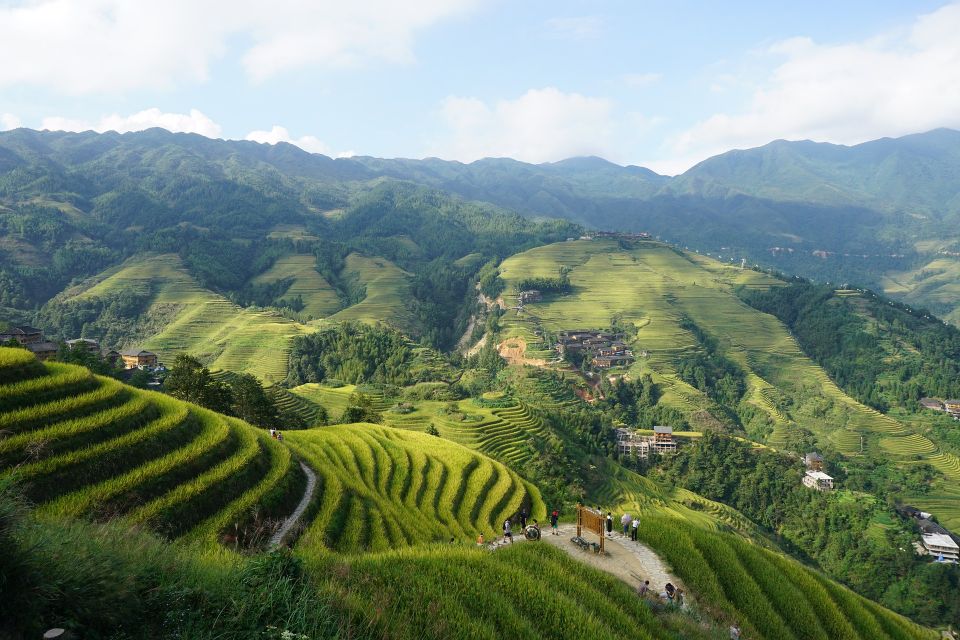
[939, 540]
[819, 475]
[663, 429]
[136, 352]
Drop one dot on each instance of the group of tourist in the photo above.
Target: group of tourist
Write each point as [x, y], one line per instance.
[522, 518]
[276, 435]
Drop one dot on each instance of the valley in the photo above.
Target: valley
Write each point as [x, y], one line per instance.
[405, 346]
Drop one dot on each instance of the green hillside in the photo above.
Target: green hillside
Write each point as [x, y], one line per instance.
[82, 446]
[384, 488]
[787, 397]
[319, 298]
[181, 316]
[86, 446]
[386, 288]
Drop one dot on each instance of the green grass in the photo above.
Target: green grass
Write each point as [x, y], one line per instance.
[383, 488]
[502, 433]
[107, 450]
[387, 289]
[319, 298]
[772, 596]
[653, 287]
[935, 286]
[200, 322]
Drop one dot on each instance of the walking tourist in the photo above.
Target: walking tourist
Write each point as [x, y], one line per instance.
[625, 520]
[554, 521]
[523, 517]
[633, 529]
[506, 530]
[609, 524]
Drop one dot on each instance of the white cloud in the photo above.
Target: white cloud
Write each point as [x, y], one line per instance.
[541, 125]
[310, 144]
[641, 80]
[892, 84]
[577, 28]
[87, 46]
[9, 121]
[193, 122]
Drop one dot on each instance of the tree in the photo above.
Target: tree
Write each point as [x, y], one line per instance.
[189, 380]
[432, 430]
[251, 402]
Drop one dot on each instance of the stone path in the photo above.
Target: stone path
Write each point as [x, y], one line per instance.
[298, 512]
[630, 561]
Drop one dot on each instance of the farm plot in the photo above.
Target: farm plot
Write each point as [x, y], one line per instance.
[773, 596]
[381, 488]
[503, 433]
[115, 451]
[319, 298]
[387, 289]
[200, 322]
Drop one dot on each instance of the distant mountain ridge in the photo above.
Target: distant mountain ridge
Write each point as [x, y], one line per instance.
[826, 211]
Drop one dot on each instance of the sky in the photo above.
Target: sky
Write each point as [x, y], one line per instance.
[657, 84]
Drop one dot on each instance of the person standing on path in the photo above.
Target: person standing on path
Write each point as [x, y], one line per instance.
[554, 520]
[625, 521]
[643, 589]
[735, 631]
[633, 529]
[523, 517]
[506, 530]
[609, 524]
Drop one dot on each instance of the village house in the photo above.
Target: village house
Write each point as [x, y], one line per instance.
[952, 406]
[818, 480]
[84, 344]
[605, 362]
[813, 461]
[112, 356]
[526, 297]
[138, 359]
[24, 335]
[43, 350]
[941, 546]
[661, 442]
[932, 403]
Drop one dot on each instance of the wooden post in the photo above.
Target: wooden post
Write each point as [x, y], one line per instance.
[579, 517]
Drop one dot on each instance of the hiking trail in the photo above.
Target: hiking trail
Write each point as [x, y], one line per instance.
[288, 524]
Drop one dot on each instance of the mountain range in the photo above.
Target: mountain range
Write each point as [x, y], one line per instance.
[881, 214]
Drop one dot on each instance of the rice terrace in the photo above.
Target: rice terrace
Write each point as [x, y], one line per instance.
[329, 323]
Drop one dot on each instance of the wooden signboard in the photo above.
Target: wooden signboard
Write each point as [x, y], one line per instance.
[592, 521]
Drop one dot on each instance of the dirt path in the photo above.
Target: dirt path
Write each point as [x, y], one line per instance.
[298, 512]
[624, 559]
[514, 350]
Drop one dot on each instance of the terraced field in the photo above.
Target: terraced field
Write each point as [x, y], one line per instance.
[336, 399]
[200, 322]
[773, 596]
[654, 286]
[319, 298]
[382, 488]
[501, 433]
[387, 292]
[87, 446]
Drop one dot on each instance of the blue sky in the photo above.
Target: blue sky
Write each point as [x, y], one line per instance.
[653, 83]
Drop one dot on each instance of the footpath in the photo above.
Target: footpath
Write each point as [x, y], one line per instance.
[631, 562]
[294, 517]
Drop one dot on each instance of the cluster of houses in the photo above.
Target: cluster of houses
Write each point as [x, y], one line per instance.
[606, 350]
[949, 406]
[814, 477]
[630, 442]
[34, 340]
[935, 540]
